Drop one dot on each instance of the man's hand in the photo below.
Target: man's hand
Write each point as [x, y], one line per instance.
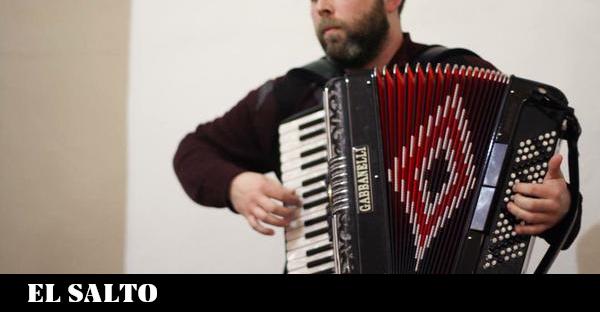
[252, 195]
[541, 206]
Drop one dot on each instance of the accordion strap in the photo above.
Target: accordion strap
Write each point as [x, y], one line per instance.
[571, 135]
[438, 53]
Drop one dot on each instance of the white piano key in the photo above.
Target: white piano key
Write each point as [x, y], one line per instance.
[294, 174]
[316, 269]
[295, 124]
[305, 212]
[310, 214]
[301, 252]
[295, 135]
[318, 185]
[302, 263]
[310, 173]
[301, 136]
[302, 241]
[303, 230]
[313, 198]
[292, 145]
[293, 154]
[297, 163]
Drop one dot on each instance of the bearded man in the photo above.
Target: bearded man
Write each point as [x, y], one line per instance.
[222, 163]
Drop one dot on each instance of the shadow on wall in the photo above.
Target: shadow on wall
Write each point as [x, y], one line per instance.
[588, 250]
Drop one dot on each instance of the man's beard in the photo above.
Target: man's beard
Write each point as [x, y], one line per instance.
[363, 40]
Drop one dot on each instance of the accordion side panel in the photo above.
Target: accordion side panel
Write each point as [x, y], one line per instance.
[527, 138]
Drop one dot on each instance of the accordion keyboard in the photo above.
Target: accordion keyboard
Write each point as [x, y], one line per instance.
[303, 150]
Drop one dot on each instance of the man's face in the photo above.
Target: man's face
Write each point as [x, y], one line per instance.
[350, 31]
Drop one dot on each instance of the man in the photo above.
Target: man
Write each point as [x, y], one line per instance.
[223, 161]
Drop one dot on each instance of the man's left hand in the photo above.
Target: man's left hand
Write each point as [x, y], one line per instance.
[541, 206]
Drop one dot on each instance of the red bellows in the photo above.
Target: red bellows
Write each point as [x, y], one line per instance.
[436, 124]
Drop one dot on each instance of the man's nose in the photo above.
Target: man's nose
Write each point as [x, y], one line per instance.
[324, 7]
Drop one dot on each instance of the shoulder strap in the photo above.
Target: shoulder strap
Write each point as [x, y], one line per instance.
[439, 54]
[299, 81]
[322, 68]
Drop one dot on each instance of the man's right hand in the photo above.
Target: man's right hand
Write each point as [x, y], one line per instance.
[253, 194]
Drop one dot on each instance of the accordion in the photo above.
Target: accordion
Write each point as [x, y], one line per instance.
[410, 170]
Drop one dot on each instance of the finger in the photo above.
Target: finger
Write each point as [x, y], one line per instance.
[533, 190]
[532, 204]
[259, 227]
[270, 206]
[275, 190]
[268, 218]
[533, 229]
[522, 214]
[554, 171]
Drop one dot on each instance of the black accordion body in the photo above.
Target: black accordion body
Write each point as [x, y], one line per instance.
[414, 168]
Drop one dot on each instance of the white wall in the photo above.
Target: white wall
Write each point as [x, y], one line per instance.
[192, 60]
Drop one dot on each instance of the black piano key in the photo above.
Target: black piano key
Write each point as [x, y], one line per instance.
[315, 251]
[314, 192]
[313, 163]
[315, 150]
[311, 123]
[318, 262]
[326, 271]
[312, 134]
[316, 233]
[314, 180]
[315, 220]
[316, 203]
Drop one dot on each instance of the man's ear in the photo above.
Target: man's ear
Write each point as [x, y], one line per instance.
[392, 5]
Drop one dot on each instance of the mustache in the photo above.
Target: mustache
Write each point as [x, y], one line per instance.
[327, 23]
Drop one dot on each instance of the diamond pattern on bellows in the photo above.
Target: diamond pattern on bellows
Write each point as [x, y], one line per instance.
[444, 141]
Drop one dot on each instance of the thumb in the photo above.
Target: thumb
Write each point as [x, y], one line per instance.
[554, 168]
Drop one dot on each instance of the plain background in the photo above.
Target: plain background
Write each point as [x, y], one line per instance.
[63, 99]
[95, 95]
